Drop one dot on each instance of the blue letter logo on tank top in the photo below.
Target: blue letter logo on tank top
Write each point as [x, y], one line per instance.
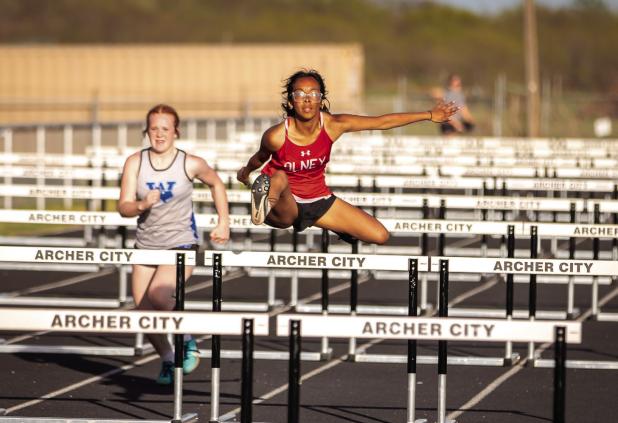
[166, 194]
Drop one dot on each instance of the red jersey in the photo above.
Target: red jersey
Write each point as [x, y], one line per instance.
[304, 165]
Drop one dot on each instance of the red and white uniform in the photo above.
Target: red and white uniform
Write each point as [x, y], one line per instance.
[304, 165]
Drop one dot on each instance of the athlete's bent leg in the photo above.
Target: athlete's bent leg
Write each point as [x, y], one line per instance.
[283, 208]
[344, 217]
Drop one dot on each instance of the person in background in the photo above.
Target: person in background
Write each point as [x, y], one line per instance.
[291, 189]
[157, 186]
[462, 121]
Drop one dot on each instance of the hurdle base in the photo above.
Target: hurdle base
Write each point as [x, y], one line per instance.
[325, 356]
[577, 364]
[510, 361]
[186, 418]
[424, 359]
[229, 306]
[264, 355]
[607, 317]
[66, 349]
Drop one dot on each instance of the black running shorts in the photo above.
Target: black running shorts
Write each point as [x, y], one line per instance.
[309, 213]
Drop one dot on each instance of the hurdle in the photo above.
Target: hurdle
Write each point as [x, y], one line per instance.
[496, 266]
[81, 257]
[318, 261]
[98, 321]
[106, 219]
[178, 323]
[441, 329]
[532, 267]
[608, 206]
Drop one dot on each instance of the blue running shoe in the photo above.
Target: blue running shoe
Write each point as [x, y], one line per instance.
[166, 376]
[260, 207]
[191, 357]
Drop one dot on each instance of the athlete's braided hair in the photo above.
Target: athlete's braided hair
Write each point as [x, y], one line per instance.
[288, 87]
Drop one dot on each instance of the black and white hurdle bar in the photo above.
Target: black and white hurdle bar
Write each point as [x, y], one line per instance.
[84, 257]
[103, 321]
[440, 329]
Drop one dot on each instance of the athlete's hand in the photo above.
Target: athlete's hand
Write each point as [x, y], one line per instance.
[243, 175]
[151, 199]
[221, 233]
[443, 111]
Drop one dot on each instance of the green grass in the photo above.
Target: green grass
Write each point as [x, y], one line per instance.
[23, 229]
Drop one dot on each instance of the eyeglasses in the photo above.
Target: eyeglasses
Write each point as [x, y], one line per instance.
[313, 96]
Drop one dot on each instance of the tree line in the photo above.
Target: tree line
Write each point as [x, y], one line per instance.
[420, 41]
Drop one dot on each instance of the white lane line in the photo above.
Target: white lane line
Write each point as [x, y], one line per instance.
[518, 367]
[60, 284]
[82, 383]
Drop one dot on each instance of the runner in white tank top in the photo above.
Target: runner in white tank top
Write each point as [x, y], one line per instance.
[156, 185]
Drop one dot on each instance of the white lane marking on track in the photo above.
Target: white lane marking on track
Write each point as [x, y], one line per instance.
[60, 284]
[518, 367]
[82, 383]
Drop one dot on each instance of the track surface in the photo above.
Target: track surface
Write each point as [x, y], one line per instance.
[334, 390]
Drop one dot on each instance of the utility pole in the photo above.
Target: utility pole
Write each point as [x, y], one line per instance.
[531, 53]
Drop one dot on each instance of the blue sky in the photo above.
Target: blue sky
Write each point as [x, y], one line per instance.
[493, 6]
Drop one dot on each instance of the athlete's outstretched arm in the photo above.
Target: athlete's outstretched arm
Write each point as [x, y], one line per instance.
[197, 167]
[343, 123]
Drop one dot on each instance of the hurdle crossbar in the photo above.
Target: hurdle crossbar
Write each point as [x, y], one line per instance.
[314, 260]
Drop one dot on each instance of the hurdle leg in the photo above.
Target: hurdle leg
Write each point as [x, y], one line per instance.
[271, 273]
[412, 356]
[179, 344]
[353, 303]
[215, 359]
[442, 345]
[294, 372]
[246, 397]
[324, 350]
[531, 356]
[571, 297]
[508, 348]
[122, 285]
[595, 256]
[559, 375]
[595, 297]
[294, 277]
[178, 358]
[214, 394]
[423, 297]
[294, 289]
[271, 289]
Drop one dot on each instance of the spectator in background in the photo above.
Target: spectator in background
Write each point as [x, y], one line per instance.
[462, 121]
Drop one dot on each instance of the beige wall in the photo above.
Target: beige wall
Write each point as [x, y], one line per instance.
[120, 82]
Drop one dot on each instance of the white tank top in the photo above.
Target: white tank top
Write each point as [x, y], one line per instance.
[170, 223]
